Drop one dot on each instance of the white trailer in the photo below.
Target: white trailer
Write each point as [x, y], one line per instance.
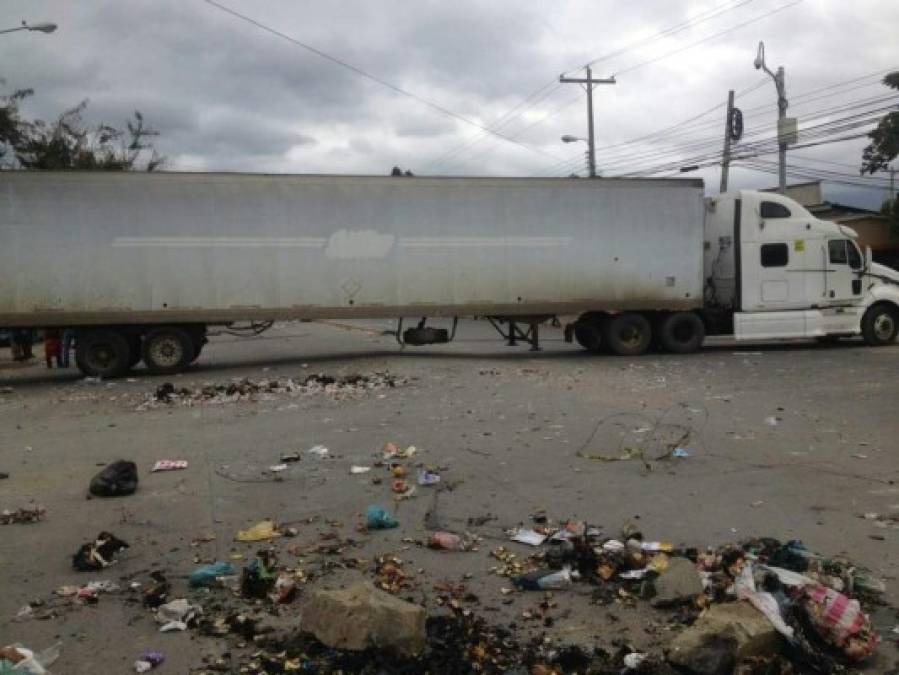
[141, 264]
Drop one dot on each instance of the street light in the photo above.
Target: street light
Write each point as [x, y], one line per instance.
[43, 27]
[786, 129]
[568, 138]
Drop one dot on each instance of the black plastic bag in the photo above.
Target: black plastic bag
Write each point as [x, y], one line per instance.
[116, 480]
[95, 555]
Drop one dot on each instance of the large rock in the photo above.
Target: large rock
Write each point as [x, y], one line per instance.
[363, 616]
[723, 636]
[679, 583]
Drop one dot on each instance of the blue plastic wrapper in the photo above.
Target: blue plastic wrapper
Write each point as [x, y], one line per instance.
[378, 518]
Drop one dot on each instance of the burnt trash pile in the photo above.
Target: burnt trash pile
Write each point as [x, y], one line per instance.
[335, 386]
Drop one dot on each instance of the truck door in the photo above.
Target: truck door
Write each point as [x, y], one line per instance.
[772, 259]
[842, 283]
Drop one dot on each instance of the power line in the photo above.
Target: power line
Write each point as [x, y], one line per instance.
[625, 155]
[374, 78]
[666, 32]
[507, 117]
[710, 37]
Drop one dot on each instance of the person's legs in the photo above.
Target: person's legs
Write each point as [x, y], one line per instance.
[68, 336]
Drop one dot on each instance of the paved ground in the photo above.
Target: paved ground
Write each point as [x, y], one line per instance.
[787, 441]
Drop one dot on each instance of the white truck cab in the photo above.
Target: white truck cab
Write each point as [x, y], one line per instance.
[783, 273]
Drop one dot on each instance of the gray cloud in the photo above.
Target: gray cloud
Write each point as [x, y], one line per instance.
[226, 95]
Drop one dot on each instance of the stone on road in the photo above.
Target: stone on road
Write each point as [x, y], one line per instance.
[362, 616]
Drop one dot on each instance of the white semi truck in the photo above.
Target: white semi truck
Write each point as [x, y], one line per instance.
[140, 265]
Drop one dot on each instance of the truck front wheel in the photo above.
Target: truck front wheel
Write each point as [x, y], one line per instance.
[167, 350]
[880, 324]
[681, 333]
[102, 353]
[627, 334]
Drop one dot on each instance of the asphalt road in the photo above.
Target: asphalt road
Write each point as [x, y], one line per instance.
[789, 441]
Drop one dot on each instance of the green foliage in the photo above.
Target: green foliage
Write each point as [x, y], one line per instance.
[884, 146]
[70, 144]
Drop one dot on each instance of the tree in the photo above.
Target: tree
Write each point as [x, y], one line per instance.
[11, 123]
[70, 144]
[884, 146]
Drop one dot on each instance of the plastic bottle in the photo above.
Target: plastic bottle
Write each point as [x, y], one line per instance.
[377, 518]
[207, 575]
[544, 580]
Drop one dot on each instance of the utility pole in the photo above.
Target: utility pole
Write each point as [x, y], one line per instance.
[786, 127]
[725, 160]
[591, 139]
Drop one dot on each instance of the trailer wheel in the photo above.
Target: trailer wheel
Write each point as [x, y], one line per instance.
[167, 350]
[102, 353]
[627, 334]
[880, 325]
[681, 333]
[588, 335]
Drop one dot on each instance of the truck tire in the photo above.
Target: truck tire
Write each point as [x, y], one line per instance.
[588, 334]
[167, 350]
[102, 353]
[880, 324]
[627, 334]
[681, 333]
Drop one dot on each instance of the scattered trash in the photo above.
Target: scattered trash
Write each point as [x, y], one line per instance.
[679, 453]
[427, 478]
[290, 457]
[278, 468]
[633, 660]
[285, 589]
[400, 486]
[392, 451]
[319, 451]
[399, 471]
[23, 660]
[209, 575]
[356, 469]
[247, 389]
[261, 531]
[530, 537]
[177, 615]
[772, 421]
[98, 554]
[169, 465]
[258, 578]
[22, 516]
[116, 480]
[545, 580]
[156, 593]
[147, 661]
[378, 518]
[447, 541]
[840, 622]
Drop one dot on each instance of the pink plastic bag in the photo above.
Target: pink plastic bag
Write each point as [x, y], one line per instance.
[840, 621]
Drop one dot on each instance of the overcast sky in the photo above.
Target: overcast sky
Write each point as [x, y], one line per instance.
[227, 95]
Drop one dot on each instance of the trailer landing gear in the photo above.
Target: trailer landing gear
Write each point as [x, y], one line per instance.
[531, 334]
